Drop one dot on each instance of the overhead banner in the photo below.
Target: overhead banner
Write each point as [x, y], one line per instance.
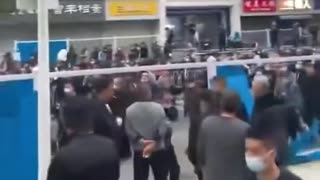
[132, 9]
[259, 6]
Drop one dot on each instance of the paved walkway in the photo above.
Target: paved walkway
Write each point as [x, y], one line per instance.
[309, 171]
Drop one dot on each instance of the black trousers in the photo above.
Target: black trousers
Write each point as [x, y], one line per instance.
[157, 161]
[174, 167]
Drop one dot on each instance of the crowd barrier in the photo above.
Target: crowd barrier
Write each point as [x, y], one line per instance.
[18, 116]
[262, 37]
[27, 49]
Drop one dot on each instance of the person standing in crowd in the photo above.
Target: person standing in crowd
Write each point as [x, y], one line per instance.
[192, 109]
[263, 94]
[221, 142]
[314, 31]
[87, 156]
[9, 65]
[104, 121]
[274, 35]
[144, 54]
[172, 115]
[147, 128]
[72, 57]
[297, 34]
[220, 85]
[261, 154]
[222, 38]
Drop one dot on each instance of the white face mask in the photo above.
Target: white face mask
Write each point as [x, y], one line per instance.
[255, 163]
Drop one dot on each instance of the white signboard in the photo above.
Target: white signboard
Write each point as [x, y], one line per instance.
[295, 5]
[32, 4]
[79, 9]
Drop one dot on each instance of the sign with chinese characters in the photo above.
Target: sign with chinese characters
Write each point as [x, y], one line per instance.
[289, 5]
[79, 10]
[257, 6]
[132, 9]
[81, 7]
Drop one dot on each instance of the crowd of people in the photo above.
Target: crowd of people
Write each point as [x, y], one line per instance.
[128, 116]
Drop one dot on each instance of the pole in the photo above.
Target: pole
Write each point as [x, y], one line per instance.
[44, 149]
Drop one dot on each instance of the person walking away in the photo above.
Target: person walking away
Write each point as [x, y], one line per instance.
[221, 142]
[222, 38]
[147, 127]
[314, 31]
[87, 156]
[105, 123]
[144, 52]
[261, 153]
[297, 34]
[274, 34]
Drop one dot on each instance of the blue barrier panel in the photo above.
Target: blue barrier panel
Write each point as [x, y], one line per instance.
[28, 49]
[18, 131]
[237, 81]
[305, 148]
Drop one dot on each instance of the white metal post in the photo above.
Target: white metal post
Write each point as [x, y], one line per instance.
[44, 145]
[268, 38]
[115, 44]
[211, 70]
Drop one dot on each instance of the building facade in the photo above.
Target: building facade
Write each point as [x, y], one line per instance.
[258, 14]
[206, 15]
[86, 19]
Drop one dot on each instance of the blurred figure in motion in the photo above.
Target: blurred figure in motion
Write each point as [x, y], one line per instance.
[147, 129]
[9, 65]
[87, 156]
[263, 94]
[219, 84]
[105, 123]
[274, 31]
[220, 150]
[297, 34]
[283, 122]
[261, 154]
[144, 51]
[222, 38]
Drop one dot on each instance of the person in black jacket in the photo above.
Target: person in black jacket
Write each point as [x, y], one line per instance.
[87, 156]
[261, 154]
[105, 123]
[263, 94]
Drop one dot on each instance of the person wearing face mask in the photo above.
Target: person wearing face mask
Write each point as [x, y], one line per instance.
[261, 156]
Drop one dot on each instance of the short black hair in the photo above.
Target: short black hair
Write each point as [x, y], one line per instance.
[263, 134]
[230, 102]
[100, 83]
[212, 99]
[78, 114]
[144, 92]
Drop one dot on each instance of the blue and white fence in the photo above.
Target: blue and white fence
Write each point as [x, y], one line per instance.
[20, 129]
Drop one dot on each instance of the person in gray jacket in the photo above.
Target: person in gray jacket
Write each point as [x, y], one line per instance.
[147, 128]
[221, 143]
